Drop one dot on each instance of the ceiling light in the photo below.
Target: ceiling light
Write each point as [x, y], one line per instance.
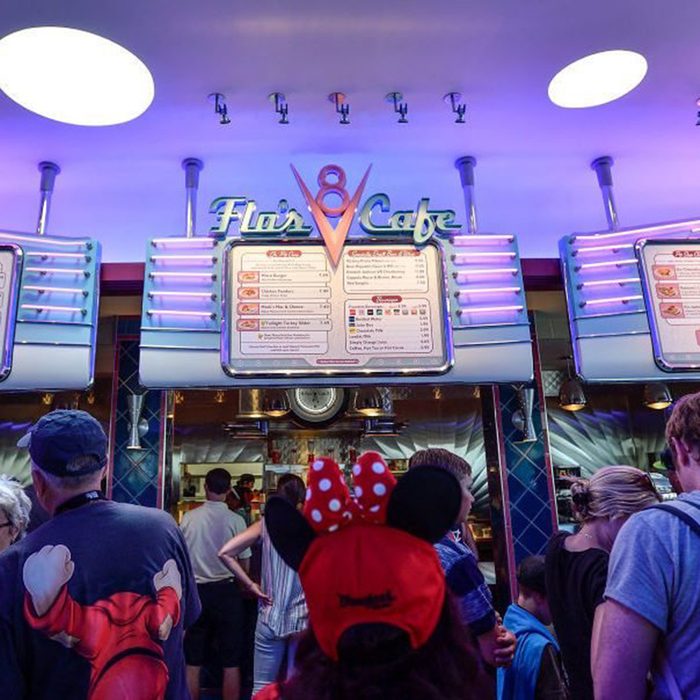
[597, 79]
[275, 403]
[571, 395]
[657, 396]
[368, 402]
[74, 76]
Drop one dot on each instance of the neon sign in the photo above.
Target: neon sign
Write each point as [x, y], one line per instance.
[421, 223]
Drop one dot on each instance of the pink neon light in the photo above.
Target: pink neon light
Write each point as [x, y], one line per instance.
[204, 275]
[605, 283]
[611, 300]
[62, 290]
[45, 307]
[57, 270]
[183, 241]
[607, 263]
[680, 226]
[467, 240]
[41, 239]
[496, 254]
[209, 258]
[177, 312]
[208, 295]
[487, 290]
[489, 309]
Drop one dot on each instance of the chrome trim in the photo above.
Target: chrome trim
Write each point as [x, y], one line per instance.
[8, 342]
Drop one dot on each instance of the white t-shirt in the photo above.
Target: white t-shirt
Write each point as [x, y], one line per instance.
[207, 529]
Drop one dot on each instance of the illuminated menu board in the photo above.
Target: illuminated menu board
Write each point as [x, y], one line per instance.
[382, 310]
[671, 281]
[8, 283]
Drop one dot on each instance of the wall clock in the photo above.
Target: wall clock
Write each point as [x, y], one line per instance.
[316, 406]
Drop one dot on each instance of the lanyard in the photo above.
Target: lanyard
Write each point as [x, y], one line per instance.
[80, 500]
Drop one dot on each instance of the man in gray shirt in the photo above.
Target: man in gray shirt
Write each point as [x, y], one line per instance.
[651, 618]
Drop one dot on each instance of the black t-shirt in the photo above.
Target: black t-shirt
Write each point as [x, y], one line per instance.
[94, 604]
[575, 588]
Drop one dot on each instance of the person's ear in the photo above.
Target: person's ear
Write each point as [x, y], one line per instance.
[40, 488]
[680, 452]
[290, 532]
[425, 503]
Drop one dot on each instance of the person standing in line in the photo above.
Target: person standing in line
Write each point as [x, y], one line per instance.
[93, 604]
[282, 613]
[536, 672]
[577, 565]
[650, 619]
[15, 507]
[464, 579]
[206, 529]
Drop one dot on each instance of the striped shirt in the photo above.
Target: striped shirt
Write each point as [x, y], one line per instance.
[288, 614]
[467, 584]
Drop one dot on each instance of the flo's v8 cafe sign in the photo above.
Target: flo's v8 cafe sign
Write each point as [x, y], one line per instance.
[375, 215]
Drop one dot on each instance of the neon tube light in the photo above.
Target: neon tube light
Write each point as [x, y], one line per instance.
[202, 295]
[58, 271]
[611, 300]
[466, 240]
[607, 263]
[485, 271]
[486, 290]
[605, 283]
[43, 240]
[481, 254]
[489, 309]
[53, 254]
[62, 290]
[183, 241]
[48, 307]
[201, 275]
[156, 258]
[680, 226]
[178, 312]
[597, 248]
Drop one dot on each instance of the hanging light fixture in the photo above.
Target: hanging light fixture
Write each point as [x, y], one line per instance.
[657, 396]
[571, 395]
[275, 403]
[368, 402]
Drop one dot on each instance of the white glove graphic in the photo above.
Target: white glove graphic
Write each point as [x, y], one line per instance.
[45, 573]
[169, 577]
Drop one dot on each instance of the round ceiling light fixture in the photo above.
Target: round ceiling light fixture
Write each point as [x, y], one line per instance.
[73, 76]
[597, 79]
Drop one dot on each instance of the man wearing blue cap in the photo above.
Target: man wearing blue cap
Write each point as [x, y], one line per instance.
[94, 603]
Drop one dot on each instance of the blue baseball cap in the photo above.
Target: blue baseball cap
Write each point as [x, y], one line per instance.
[61, 436]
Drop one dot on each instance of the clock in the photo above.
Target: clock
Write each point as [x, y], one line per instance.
[316, 406]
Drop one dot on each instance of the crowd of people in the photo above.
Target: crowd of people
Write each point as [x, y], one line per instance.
[365, 589]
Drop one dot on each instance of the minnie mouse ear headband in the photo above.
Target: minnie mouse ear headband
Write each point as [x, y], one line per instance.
[368, 558]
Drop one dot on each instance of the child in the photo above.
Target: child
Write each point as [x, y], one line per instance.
[537, 672]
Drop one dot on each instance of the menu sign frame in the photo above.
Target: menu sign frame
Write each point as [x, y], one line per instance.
[11, 257]
[431, 310]
[670, 274]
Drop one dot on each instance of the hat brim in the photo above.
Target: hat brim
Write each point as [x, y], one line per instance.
[24, 441]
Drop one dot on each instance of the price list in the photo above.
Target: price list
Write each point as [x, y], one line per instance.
[381, 309]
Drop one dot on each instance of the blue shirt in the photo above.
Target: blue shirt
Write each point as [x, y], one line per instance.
[467, 583]
[653, 571]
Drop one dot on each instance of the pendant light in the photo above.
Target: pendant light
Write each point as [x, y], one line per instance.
[657, 396]
[571, 394]
[275, 403]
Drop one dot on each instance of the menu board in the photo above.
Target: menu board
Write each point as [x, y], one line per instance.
[671, 280]
[8, 259]
[289, 311]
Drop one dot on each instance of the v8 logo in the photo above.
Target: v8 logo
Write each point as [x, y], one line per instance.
[334, 238]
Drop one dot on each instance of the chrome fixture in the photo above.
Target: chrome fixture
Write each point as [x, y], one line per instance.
[192, 168]
[220, 107]
[341, 107]
[48, 172]
[465, 166]
[281, 107]
[401, 108]
[454, 100]
[602, 167]
[138, 426]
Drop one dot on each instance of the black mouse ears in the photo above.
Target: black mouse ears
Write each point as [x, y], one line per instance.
[425, 503]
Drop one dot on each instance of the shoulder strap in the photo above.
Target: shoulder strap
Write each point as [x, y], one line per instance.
[688, 519]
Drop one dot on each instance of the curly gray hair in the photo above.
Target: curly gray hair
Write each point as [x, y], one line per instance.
[14, 504]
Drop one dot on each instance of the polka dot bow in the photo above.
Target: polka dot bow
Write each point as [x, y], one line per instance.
[329, 504]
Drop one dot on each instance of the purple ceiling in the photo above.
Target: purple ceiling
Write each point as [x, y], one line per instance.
[123, 184]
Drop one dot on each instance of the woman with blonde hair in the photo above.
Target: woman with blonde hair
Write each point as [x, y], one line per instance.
[577, 565]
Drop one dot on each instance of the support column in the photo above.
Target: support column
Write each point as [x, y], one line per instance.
[134, 475]
[525, 516]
